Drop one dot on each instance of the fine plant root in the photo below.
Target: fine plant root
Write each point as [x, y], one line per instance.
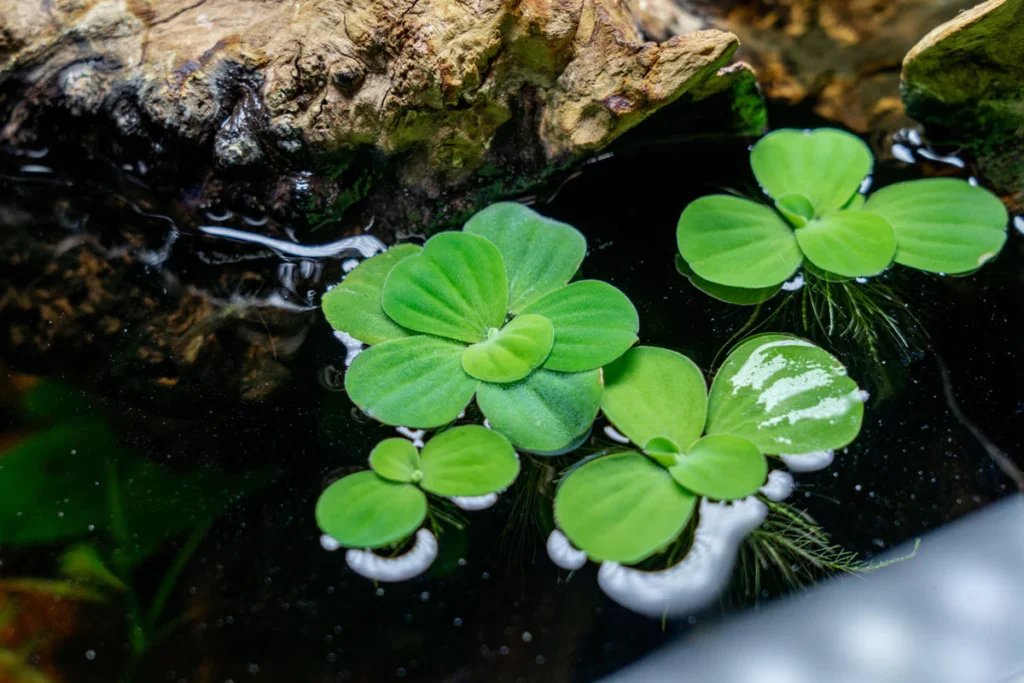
[791, 551]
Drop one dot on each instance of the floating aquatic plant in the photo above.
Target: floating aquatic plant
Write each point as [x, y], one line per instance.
[485, 312]
[742, 251]
[388, 503]
[775, 394]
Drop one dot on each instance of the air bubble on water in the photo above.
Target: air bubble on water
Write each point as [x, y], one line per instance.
[614, 435]
[349, 264]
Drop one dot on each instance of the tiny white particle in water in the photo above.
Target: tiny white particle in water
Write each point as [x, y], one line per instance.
[379, 592]
[457, 622]
[527, 636]
[424, 596]
[90, 655]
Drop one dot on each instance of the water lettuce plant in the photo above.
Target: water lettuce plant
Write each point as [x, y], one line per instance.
[774, 394]
[741, 250]
[484, 312]
[388, 503]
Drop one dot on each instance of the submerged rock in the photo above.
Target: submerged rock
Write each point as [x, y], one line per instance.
[965, 82]
[419, 111]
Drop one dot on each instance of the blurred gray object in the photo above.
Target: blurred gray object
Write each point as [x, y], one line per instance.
[954, 613]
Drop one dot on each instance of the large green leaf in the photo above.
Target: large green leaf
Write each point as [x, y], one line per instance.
[396, 460]
[737, 242]
[364, 511]
[786, 396]
[455, 288]
[468, 461]
[721, 466]
[621, 508]
[545, 412]
[730, 295]
[652, 392]
[511, 353]
[540, 254]
[594, 324]
[848, 243]
[414, 382]
[52, 484]
[942, 225]
[355, 307]
[825, 165]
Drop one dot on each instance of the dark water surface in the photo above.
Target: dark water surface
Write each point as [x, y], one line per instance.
[265, 602]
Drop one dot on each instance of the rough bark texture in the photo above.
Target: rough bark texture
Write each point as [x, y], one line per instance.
[965, 81]
[417, 110]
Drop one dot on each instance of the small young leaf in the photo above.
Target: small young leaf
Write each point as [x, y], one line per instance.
[622, 508]
[663, 451]
[455, 288]
[737, 242]
[730, 295]
[413, 382]
[396, 460]
[942, 225]
[796, 208]
[544, 412]
[540, 254]
[652, 392]
[722, 467]
[594, 324]
[512, 352]
[364, 511]
[849, 243]
[785, 395]
[468, 461]
[354, 306]
[825, 165]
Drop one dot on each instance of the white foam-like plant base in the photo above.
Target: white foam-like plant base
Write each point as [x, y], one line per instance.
[353, 347]
[700, 577]
[809, 462]
[471, 503]
[563, 553]
[779, 486]
[393, 569]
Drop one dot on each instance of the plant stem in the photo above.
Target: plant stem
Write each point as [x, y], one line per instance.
[170, 578]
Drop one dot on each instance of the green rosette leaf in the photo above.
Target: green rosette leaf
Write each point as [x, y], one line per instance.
[737, 242]
[651, 393]
[546, 411]
[396, 460]
[730, 295]
[622, 508]
[722, 467]
[825, 165]
[848, 243]
[540, 254]
[355, 307]
[413, 382]
[363, 510]
[786, 396]
[511, 353]
[468, 461]
[455, 288]
[942, 225]
[594, 324]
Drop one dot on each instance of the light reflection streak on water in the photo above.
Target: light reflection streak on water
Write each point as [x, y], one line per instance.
[365, 245]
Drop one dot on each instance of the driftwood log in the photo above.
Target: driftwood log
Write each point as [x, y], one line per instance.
[415, 112]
